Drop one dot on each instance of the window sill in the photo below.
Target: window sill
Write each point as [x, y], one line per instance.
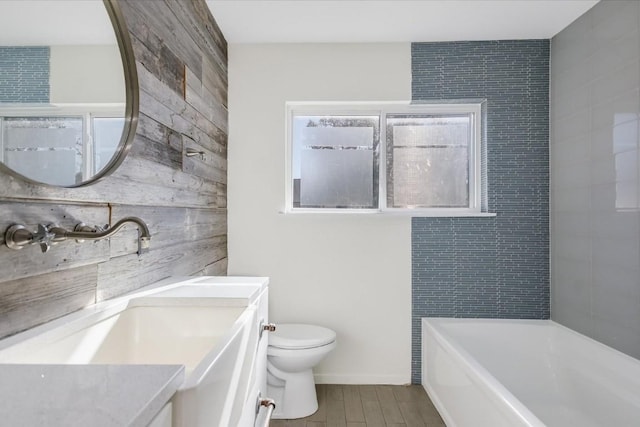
[417, 213]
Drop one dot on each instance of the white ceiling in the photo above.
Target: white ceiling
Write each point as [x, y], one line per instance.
[309, 21]
[54, 22]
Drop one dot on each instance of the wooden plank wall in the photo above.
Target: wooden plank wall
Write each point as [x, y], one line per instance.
[181, 58]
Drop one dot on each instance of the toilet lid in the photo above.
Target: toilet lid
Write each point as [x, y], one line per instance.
[292, 336]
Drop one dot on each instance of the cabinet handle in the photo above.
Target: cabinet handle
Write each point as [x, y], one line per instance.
[267, 327]
[270, 404]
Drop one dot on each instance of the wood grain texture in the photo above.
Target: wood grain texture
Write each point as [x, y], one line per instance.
[158, 143]
[129, 272]
[353, 404]
[214, 70]
[218, 268]
[182, 199]
[389, 406]
[370, 406]
[38, 299]
[162, 21]
[174, 112]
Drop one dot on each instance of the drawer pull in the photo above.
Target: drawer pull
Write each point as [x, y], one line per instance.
[266, 327]
[270, 405]
[269, 327]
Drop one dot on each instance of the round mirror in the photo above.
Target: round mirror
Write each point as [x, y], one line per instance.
[68, 90]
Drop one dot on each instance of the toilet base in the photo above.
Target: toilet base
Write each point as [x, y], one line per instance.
[297, 398]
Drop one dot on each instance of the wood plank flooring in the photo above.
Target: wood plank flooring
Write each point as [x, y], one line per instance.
[369, 406]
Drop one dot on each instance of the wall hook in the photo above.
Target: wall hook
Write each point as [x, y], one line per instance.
[192, 153]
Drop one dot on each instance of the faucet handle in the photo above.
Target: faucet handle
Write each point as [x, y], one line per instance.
[43, 237]
[41, 232]
[17, 236]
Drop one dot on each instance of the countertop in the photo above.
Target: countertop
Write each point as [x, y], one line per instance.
[85, 395]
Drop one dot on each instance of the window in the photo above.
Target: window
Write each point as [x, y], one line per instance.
[336, 162]
[69, 147]
[387, 157]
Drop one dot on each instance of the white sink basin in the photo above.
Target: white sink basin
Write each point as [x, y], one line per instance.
[208, 328]
[164, 335]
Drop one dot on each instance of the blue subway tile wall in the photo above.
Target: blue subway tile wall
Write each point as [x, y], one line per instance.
[24, 74]
[491, 266]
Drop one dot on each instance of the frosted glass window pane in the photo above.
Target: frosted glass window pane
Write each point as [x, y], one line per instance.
[434, 177]
[341, 136]
[334, 161]
[428, 161]
[411, 133]
[107, 132]
[59, 160]
[54, 167]
[337, 178]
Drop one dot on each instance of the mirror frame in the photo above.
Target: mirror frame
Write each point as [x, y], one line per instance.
[132, 102]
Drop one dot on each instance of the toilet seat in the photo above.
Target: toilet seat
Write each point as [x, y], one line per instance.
[299, 336]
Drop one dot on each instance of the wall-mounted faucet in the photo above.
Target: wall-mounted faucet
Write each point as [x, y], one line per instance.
[17, 236]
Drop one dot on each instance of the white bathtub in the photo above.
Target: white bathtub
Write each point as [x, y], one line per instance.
[489, 372]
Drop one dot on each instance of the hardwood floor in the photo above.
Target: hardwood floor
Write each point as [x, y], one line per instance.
[369, 406]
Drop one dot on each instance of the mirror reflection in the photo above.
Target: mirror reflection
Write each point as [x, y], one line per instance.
[62, 90]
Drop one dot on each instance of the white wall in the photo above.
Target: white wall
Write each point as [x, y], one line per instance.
[351, 273]
[86, 74]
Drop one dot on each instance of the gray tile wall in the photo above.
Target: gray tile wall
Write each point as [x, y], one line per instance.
[595, 207]
[24, 74]
[489, 267]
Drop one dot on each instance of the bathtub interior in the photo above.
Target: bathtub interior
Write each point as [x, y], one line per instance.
[563, 378]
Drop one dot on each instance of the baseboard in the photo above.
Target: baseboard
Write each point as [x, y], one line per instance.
[362, 379]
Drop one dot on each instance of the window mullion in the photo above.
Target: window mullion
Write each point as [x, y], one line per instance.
[2, 139]
[87, 152]
[382, 168]
[472, 162]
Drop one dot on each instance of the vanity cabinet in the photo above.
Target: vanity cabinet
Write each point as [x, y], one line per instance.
[257, 381]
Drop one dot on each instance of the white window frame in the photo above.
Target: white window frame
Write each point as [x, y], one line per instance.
[86, 112]
[382, 109]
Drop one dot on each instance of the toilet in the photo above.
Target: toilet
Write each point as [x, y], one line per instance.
[294, 349]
